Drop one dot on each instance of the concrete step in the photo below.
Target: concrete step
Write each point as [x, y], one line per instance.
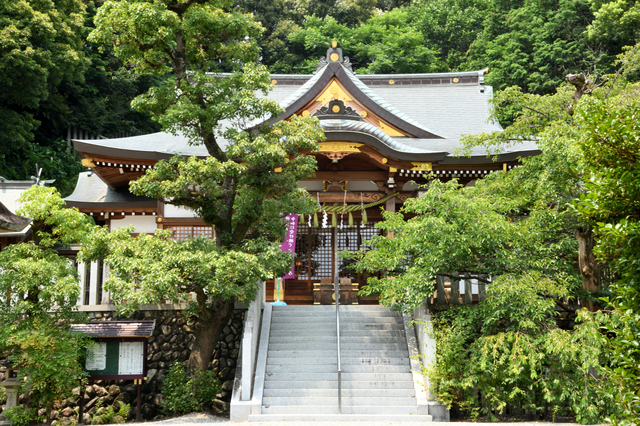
[312, 359]
[298, 353]
[329, 324]
[303, 360]
[346, 401]
[300, 338]
[345, 346]
[280, 383]
[351, 332]
[333, 393]
[302, 331]
[303, 338]
[373, 354]
[356, 346]
[346, 377]
[331, 368]
[363, 417]
[324, 310]
[333, 409]
[350, 314]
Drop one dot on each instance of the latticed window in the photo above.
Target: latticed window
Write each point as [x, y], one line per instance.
[315, 254]
[180, 233]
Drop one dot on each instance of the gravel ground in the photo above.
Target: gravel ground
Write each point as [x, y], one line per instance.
[207, 418]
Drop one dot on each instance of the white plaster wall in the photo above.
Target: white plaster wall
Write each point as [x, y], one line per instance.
[177, 211]
[141, 223]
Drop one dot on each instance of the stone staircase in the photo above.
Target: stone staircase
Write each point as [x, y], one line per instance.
[301, 379]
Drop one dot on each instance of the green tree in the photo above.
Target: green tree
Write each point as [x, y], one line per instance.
[236, 189]
[41, 48]
[534, 43]
[450, 27]
[386, 43]
[507, 223]
[611, 146]
[39, 291]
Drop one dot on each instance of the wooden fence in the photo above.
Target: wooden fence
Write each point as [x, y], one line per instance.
[460, 291]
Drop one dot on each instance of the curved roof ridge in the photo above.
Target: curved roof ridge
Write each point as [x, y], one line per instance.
[303, 89]
[383, 103]
[370, 129]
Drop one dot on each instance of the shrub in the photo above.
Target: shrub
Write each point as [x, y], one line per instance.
[182, 393]
[110, 415]
[509, 351]
[20, 416]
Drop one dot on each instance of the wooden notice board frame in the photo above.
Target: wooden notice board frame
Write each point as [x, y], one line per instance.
[115, 334]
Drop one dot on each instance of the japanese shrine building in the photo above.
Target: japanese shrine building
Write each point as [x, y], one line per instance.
[384, 135]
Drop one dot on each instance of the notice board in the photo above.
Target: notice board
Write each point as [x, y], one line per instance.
[115, 359]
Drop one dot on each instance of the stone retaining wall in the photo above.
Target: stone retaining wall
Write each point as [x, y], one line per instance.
[172, 341]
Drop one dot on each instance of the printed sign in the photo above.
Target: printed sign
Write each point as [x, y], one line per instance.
[131, 358]
[289, 243]
[96, 356]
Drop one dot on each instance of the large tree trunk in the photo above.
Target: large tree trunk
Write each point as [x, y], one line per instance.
[589, 269]
[210, 324]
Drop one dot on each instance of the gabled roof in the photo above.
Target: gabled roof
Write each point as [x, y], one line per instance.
[416, 116]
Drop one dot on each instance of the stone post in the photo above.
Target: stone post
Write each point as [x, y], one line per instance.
[11, 386]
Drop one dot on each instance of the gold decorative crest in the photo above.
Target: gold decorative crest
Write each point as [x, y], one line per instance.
[422, 166]
[339, 147]
[334, 91]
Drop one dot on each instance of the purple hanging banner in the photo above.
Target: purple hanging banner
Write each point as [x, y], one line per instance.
[289, 243]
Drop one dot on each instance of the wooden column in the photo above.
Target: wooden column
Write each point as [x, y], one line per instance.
[455, 291]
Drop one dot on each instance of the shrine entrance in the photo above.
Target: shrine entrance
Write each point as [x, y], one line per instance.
[316, 264]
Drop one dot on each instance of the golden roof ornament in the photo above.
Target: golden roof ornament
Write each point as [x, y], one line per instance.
[334, 54]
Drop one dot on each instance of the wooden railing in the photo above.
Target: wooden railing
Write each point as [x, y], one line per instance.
[458, 291]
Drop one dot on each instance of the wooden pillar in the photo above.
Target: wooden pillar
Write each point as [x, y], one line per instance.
[482, 292]
[440, 289]
[455, 291]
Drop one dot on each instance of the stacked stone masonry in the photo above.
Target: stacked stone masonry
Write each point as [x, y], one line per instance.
[172, 341]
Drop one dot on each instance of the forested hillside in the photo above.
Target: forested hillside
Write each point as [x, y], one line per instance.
[53, 79]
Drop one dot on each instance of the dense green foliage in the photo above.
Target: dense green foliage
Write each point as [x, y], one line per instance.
[509, 351]
[39, 291]
[54, 80]
[612, 150]
[532, 43]
[387, 43]
[182, 393]
[41, 47]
